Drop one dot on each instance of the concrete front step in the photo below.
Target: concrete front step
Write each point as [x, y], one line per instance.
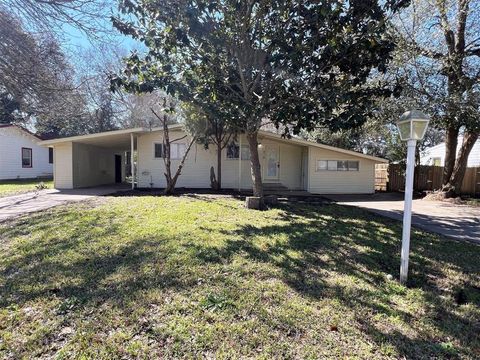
[274, 187]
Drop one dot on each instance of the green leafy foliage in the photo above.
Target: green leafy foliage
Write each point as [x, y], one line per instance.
[299, 64]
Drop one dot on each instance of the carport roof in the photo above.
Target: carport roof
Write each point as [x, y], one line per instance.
[113, 139]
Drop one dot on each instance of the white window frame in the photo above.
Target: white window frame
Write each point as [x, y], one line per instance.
[321, 168]
[226, 151]
[327, 163]
[247, 152]
[243, 152]
[163, 150]
[30, 158]
[174, 151]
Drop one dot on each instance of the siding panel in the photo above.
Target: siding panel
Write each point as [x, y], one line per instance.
[196, 172]
[63, 166]
[12, 139]
[340, 182]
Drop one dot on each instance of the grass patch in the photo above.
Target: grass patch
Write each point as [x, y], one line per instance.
[472, 202]
[15, 187]
[170, 277]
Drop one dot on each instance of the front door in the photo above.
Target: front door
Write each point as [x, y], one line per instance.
[272, 162]
[118, 168]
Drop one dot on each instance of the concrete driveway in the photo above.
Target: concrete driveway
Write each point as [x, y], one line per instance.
[459, 222]
[18, 205]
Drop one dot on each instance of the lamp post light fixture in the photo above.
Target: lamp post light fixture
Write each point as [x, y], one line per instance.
[412, 127]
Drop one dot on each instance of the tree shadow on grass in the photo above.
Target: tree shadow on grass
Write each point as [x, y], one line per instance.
[308, 247]
[74, 267]
[333, 240]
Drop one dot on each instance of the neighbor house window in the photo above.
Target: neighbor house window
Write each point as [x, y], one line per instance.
[233, 151]
[50, 155]
[437, 161]
[158, 151]
[27, 157]
[337, 165]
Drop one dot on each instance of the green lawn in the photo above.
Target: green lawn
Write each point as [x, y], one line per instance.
[14, 187]
[196, 277]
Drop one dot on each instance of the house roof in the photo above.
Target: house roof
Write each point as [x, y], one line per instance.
[321, 146]
[22, 129]
[122, 138]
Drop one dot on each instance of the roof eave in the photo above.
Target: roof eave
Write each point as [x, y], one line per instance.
[323, 146]
[90, 136]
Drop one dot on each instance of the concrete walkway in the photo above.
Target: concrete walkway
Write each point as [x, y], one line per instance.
[18, 205]
[459, 222]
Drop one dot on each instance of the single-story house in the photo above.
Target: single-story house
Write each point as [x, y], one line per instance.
[21, 157]
[100, 159]
[435, 155]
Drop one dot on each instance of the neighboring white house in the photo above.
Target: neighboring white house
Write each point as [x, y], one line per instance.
[295, 164]
[20, 155]
[436, 154]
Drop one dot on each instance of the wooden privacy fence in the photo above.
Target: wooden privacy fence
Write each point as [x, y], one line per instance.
[391, 177]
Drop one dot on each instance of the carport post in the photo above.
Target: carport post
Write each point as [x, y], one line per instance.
[132, 167]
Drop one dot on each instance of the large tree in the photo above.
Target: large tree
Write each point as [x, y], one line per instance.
[439, 49]
[37, 84]
[59, 17]
[295, 63]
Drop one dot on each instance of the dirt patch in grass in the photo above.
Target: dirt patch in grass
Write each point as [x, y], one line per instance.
[183, 277]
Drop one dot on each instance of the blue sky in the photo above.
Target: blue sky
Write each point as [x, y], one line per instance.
[75, 40]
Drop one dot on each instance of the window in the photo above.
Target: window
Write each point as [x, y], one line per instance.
[332, 165]
[437, 161]
[26, 157]
[321, 165]
[128, 158]
[245, 152]
[177, 151]
[342, 165]
[337, 165]
[158, 151]
[232, 151]
[50, 155]
[353, 166]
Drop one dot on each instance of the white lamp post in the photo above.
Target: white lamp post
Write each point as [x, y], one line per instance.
[412, 127]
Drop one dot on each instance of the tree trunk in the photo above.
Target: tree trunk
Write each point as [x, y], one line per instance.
[451, 140]
[453, 187]
[172, 181]
[255, 165]
[219, 168]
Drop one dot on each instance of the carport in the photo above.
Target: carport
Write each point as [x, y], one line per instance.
[93, 160]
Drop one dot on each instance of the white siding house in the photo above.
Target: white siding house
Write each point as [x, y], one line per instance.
[294, 164]
[436, 154]
[20, 155]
